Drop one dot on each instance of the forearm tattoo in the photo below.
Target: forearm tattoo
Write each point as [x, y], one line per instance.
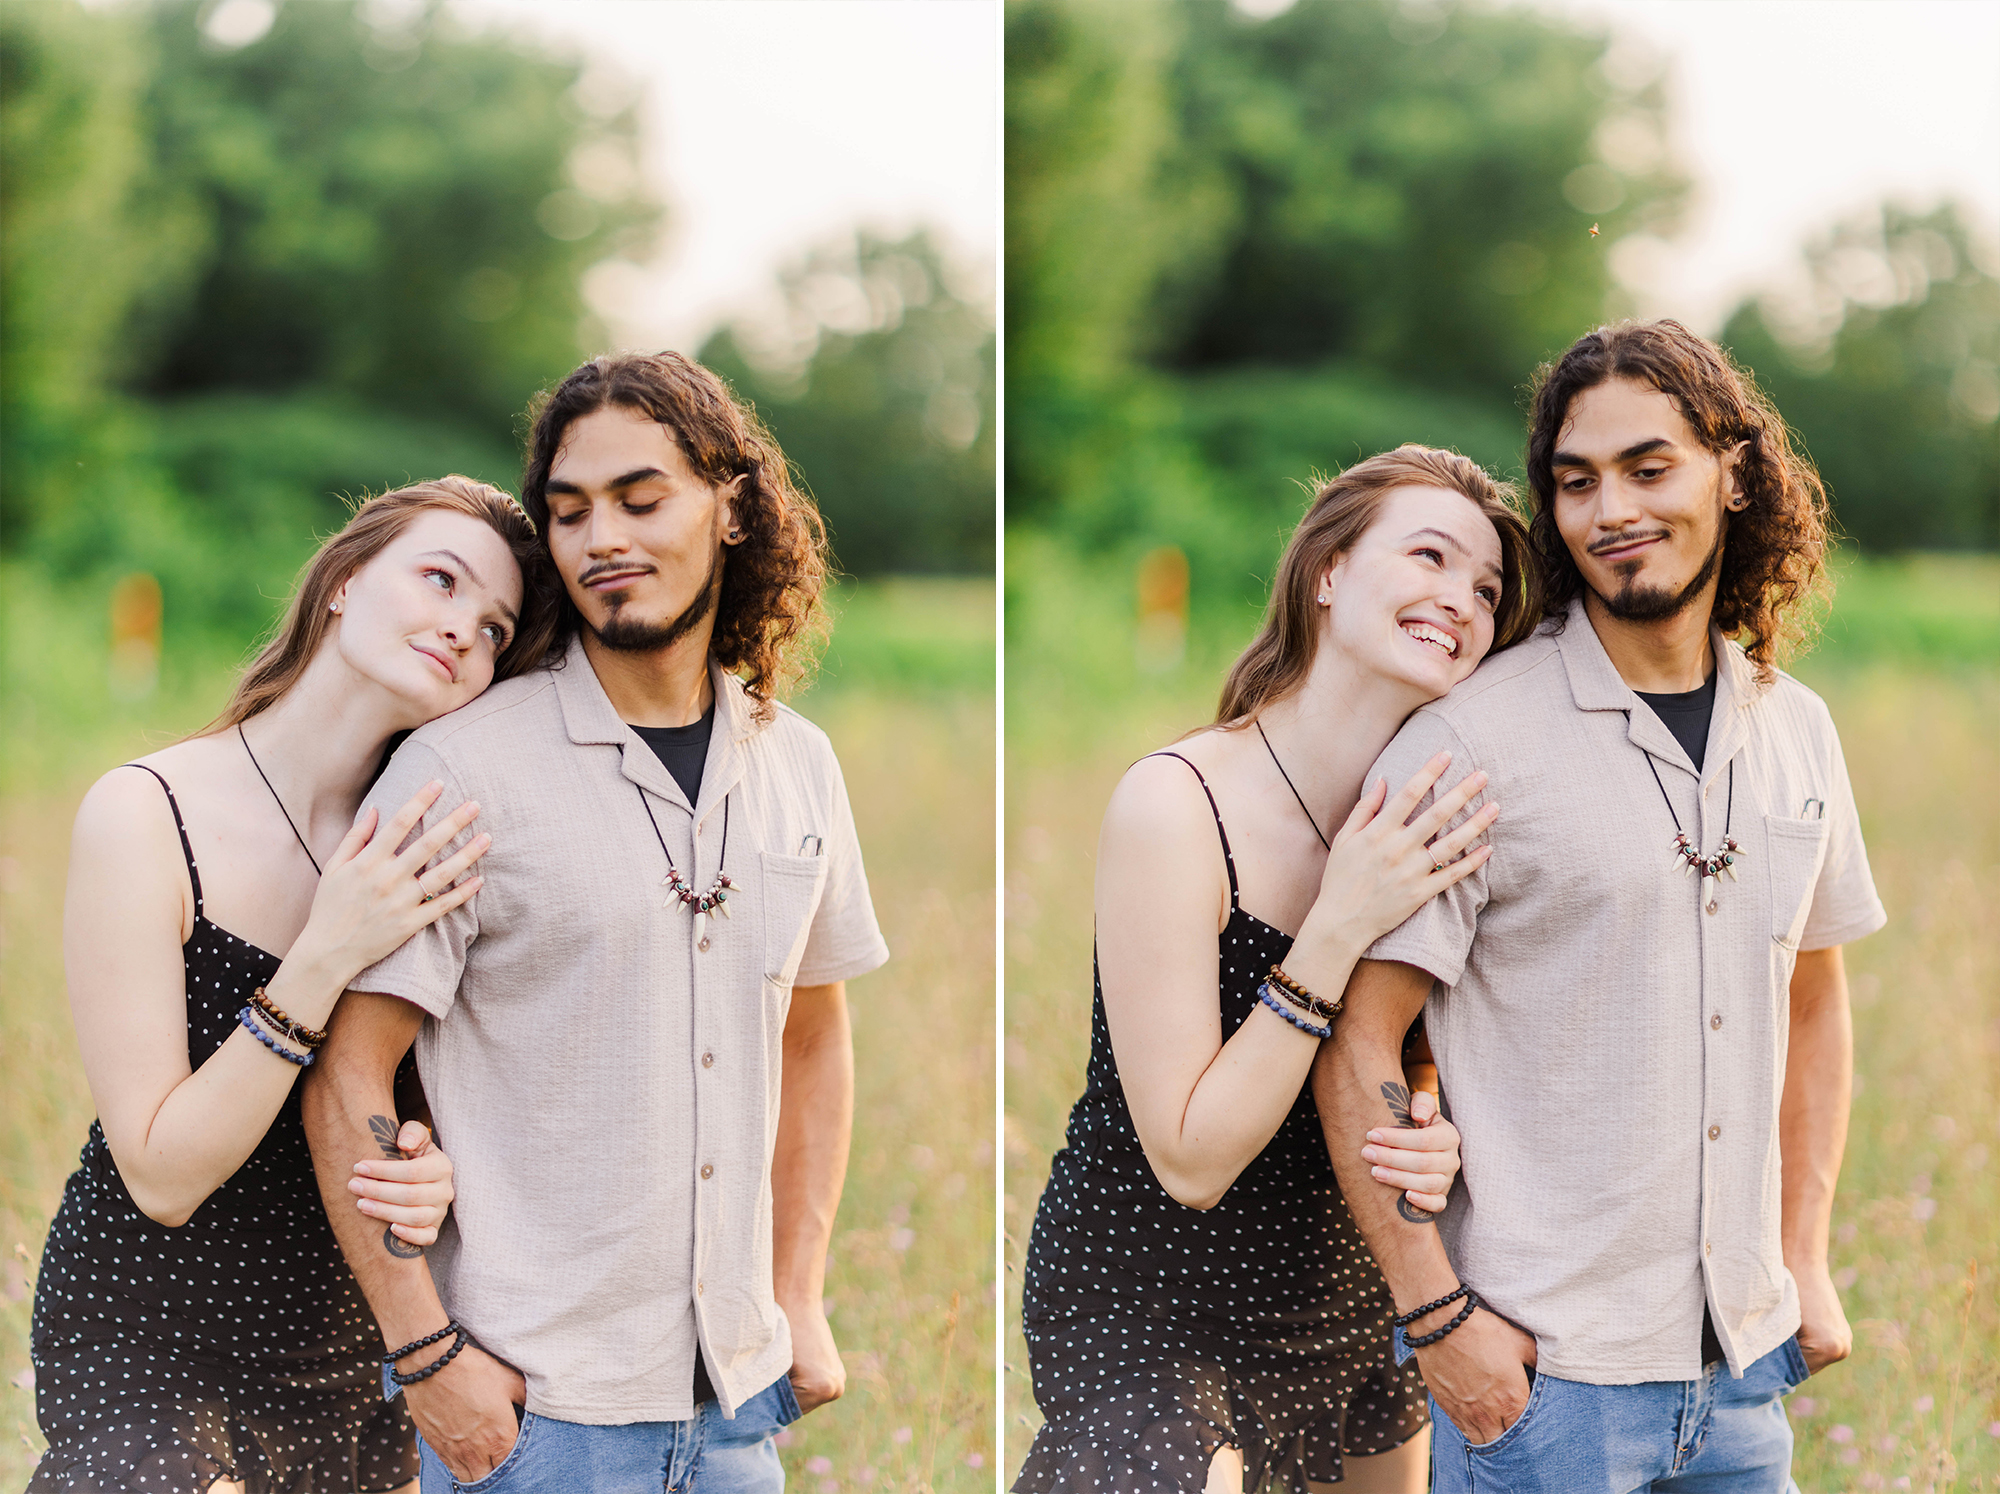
[385, 1130]
[1398, 1096]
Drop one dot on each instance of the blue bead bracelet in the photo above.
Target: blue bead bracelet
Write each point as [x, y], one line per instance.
[249, 1019]
[1264, 995]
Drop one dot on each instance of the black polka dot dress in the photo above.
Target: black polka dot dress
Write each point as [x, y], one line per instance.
[236, 1345]
[1158, 1333]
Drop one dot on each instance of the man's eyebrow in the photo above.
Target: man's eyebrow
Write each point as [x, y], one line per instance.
[1637, 449]
[631, 479]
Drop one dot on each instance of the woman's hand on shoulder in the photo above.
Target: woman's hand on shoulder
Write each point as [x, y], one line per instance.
[411, 1194]
[1382, 870]
[372, 897]
[1421, 1159]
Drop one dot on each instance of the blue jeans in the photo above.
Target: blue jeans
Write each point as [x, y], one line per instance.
[1712, 1435]
[706, 1454]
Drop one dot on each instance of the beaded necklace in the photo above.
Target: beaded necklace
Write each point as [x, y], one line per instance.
[1688, 854]
[716, 899]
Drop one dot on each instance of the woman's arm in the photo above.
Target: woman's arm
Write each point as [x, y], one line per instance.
[1204, 1108]
[176, 1132]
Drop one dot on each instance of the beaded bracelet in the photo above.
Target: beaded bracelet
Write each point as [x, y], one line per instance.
[249, 1019]
[296, 1030]
[1303, 999]
[1430, 1307]
[1424, 1340]
[393, 1379]
[1264, 995]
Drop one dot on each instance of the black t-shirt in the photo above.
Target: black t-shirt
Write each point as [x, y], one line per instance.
[1686, 716]
[682, 750]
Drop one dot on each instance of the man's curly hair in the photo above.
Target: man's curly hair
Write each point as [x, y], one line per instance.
[1774, 559]
[767, 615]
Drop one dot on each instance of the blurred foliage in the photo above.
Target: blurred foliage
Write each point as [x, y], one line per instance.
[1241, 250]
[1341, 217]
[362, 215]
[879, 385]
[1888, 365]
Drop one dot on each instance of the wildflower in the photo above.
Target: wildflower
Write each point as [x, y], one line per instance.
[975, 1460]
[1840, 1432]
[1804, 1405]
[819, 1465]
[1924, 1404]
[902, 1434]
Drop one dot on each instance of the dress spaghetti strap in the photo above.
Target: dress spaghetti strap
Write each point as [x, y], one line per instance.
[187, 850]
[1228, 857]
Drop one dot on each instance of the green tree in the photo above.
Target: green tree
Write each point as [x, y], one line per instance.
[1888, 366]
[880, 389]
[1415, 187]
[401, 215]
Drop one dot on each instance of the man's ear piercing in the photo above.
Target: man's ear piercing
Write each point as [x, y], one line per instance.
[736, 534]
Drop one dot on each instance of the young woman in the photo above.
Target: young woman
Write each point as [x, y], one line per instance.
[194, 1319]
[1201, 1313]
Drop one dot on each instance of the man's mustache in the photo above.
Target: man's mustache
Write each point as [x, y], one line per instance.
[612, 568]
[1623, 538]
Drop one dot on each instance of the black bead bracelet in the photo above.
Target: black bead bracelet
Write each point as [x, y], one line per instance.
[1430, 1307]
[1426, 1339]
[393, 1378]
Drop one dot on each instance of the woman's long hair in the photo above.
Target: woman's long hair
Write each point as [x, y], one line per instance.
[1774, 558]
[376, 522]
[1277, 662]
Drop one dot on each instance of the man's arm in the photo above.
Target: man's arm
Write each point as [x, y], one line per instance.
[465, 1410]
[1358, 1085]
[808, 1166]
[1812, 1134]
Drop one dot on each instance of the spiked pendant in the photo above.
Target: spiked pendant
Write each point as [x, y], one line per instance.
[1709, 868]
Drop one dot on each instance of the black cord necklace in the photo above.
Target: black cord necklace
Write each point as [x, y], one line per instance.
[1685, 850]
[280, 802]
[1290, 785]
[716, 899]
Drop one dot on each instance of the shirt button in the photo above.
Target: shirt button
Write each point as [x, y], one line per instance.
[708, 1060]
[709, 1172]
[1716, 1020]
[1713, 1133]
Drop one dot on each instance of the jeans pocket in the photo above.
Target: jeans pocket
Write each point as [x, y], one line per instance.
[788, 1402]
[1537, 1384]
[1795, 1363]
[508, 1465]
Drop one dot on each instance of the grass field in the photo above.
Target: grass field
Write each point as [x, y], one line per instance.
[906, 694]
[1910, 665]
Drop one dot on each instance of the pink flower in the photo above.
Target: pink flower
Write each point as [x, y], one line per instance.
[819, 1465]
[1923, 1210]
[1851, 1455]
[1804, 1405]
[902, 1434]
[1840, 1432]
[975, 1460]
[1924, 1404]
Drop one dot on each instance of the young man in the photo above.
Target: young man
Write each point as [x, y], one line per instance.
[635, 1035]
[1651, 957]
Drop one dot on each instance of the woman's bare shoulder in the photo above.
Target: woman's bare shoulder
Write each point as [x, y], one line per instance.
[1159, 804]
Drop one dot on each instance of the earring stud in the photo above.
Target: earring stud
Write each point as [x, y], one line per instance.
[1322, 599]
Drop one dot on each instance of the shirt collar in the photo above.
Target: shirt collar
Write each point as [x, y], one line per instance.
[1595, 685]
[591, 720]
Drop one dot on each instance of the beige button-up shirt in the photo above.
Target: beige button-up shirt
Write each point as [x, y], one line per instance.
[1612, 1053]
[607, 1091]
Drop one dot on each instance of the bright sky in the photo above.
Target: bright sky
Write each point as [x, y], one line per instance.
[1794, 113]
[774, 126]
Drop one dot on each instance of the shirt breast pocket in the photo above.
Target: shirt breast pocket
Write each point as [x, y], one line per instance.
[793, 886]
[1797, 848]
